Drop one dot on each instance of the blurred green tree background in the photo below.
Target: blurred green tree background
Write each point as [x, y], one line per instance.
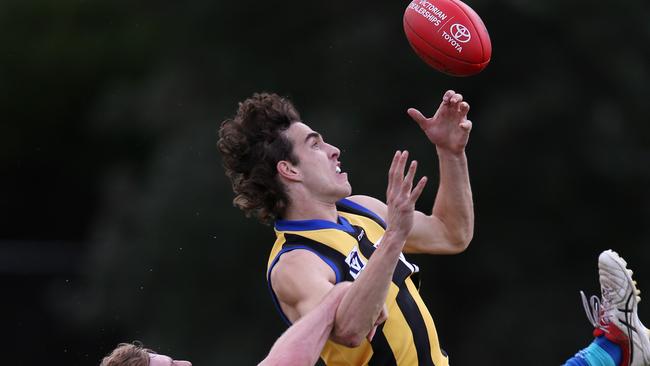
[117, 221]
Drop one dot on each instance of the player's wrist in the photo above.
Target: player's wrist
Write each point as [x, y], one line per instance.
[393, 238]
[451, 153]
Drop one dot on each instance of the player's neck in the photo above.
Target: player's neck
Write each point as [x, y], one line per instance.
[305, 208]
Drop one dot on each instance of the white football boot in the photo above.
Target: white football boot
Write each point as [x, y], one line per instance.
[615, 316]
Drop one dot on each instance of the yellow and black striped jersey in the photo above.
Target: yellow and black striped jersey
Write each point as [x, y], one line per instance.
[408, 337]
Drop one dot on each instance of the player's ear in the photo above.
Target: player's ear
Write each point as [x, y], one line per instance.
[288, 171]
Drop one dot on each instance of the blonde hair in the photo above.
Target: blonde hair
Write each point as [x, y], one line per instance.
[127, 354]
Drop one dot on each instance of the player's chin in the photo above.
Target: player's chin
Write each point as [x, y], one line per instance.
[343, 190]
[347, 189]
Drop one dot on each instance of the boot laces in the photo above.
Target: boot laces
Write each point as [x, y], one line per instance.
[597, 310]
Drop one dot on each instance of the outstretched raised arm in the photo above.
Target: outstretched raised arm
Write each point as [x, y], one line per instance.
[449, 228]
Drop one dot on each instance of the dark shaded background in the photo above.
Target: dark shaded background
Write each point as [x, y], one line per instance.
[116, 218]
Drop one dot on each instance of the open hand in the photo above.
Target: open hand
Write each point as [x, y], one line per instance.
[449, 127]
[401, 196]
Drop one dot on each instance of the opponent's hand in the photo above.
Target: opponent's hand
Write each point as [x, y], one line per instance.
[449, 127]
[401, 196]
[383, 315]
[337, 292]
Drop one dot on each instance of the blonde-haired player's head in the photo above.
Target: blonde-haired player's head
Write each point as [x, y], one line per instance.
[127, 354]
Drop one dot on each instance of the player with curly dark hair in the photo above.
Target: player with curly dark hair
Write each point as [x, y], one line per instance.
[284, 172]
[251, 144]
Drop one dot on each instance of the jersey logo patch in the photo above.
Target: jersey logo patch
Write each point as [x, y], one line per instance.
[355, 262]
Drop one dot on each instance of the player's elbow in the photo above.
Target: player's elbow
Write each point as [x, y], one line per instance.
[460, 241]
[458, 248]
[460, 244]
[296, 358]
[348, 337]
[351, 341]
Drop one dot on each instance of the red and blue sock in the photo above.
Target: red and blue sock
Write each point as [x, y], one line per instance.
[601, 352]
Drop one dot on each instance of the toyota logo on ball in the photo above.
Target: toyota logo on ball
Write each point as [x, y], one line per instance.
[460, 32]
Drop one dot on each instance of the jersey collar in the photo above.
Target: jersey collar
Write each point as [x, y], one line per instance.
[304, 225]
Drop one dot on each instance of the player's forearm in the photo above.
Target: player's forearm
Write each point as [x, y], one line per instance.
[453, 205]
[301, 344]
[360, 307]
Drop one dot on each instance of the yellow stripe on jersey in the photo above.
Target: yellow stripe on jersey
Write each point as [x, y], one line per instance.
[400, 339]
[437, 357]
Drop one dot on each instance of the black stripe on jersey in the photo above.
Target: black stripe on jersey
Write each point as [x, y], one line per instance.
[402, 272]
[382, 354]
[341, 206]
[411, 312]
[333, 255]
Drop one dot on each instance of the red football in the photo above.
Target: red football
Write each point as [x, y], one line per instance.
[448, 35]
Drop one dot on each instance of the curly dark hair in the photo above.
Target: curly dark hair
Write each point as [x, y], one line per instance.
[251, 144]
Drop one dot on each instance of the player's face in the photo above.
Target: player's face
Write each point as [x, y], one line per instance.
[162, 360]
[318, 163]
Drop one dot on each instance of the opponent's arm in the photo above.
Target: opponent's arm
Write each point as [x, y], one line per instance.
[301, 344]
[450, 226]
[300, 278]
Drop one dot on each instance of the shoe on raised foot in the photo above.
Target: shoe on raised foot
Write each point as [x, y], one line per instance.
[616, 316]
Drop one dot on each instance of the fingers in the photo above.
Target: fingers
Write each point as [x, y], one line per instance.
[419, 188]
[417, 116]
[371, 335]
[401, 164]
[383, 315]
[396, 173]
[453, 98]
[407, 184]
[456, 104]
[447, 96]
[466, 125]
[463, 108]
[452, 102]
[400, 187]
[391, 171]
